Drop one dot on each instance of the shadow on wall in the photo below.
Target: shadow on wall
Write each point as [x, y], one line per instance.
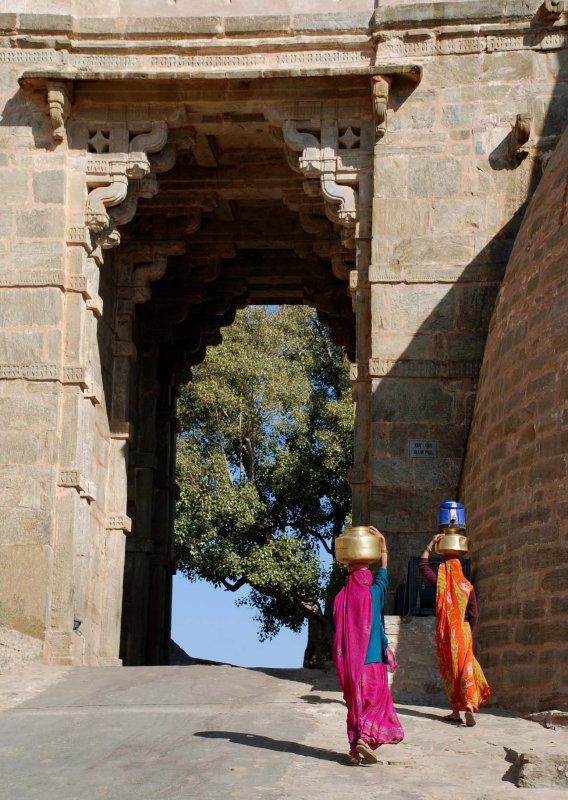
[427, 393]
[515, 472]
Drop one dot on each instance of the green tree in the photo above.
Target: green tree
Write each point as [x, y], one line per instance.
[262, 464]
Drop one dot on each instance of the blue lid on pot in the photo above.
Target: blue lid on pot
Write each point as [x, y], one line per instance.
[451, 514]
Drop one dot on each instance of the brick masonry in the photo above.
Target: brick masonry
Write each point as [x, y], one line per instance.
[515, 475]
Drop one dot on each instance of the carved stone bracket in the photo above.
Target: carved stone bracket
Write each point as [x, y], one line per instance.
[330, 146]
[146, 263]
[59, 99]
[520, 135]
[381, 87]
[119, 179]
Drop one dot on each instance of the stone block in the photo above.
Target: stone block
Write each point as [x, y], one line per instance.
[451, 71]
[457, 215]
[414, 118]
[31, 307]
[395, 217]
[49, 186]
[33, 254]
[391, 176]
[174, 25]
[434, 177]
[44, 223]
[48, 23]
[464, 346]
[256, 25]
[458, 116]
[398, 344]
[413, 307]
[25, 526]
[434, 250]
[407, 400]
[29, 413]
[315, 23]
[479, 10]
[15, 187]
[6, 221]
[24, 611]
[20, 346]
[392, 472]
[507, 68]
[17, 447]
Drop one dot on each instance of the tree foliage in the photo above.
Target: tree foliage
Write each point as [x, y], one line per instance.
[262, 464]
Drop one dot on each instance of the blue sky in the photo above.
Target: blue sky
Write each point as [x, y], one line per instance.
[207, 623]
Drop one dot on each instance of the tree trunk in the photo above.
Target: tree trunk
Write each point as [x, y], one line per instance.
[319, 647]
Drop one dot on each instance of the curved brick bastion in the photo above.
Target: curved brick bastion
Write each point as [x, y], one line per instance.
[514, 482]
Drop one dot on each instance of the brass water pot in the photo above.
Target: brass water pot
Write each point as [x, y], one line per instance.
[357, 544]
[453, 543]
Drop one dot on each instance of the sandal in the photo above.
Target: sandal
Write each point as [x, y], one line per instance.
[451, 718]
[354, 759]
[469, 719]
[366, 753]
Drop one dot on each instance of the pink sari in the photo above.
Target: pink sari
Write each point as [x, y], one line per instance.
[370, 711]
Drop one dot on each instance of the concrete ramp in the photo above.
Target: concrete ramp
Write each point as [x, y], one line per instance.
[215, 732]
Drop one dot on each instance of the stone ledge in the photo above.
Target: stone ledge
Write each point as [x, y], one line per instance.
[468, 11]
[185, 25]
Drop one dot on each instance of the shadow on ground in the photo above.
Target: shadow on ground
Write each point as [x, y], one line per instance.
[267, 743]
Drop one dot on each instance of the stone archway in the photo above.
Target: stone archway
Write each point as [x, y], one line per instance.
[185, 201]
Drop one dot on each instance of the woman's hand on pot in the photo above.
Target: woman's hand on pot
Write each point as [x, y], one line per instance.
[376, 532]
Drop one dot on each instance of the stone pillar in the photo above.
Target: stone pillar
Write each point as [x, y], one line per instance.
[38, 371]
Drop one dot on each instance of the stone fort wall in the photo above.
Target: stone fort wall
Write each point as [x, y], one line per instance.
[514, 480]
[457, 108]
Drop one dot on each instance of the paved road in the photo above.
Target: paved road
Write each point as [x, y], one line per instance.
[217, 732]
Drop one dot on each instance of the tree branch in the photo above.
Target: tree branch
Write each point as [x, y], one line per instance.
[233, 587]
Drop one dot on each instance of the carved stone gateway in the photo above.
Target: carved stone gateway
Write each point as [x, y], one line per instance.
[161, 171]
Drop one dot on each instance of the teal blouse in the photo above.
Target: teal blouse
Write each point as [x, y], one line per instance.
[378, 641]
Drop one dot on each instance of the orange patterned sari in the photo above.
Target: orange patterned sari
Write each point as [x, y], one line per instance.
[463, 677]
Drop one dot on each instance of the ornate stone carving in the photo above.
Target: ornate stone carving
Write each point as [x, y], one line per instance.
[329, 146]
[59, 98]
[122, 177]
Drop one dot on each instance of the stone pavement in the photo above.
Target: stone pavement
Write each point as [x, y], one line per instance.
[211, 732]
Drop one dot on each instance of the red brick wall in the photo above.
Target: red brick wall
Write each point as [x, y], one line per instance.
[514, 483]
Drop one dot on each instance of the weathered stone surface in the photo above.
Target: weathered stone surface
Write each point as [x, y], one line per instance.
[17, 649]
[49, 187]
[434, 177]
[41, 223]
[535, 771]
[30, 307]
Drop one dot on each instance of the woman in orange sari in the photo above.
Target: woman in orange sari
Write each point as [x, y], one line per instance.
[456, 616]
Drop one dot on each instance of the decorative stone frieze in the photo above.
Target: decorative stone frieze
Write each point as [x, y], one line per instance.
[66, 375]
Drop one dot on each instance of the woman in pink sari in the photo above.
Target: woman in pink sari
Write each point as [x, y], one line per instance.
[360, 655]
